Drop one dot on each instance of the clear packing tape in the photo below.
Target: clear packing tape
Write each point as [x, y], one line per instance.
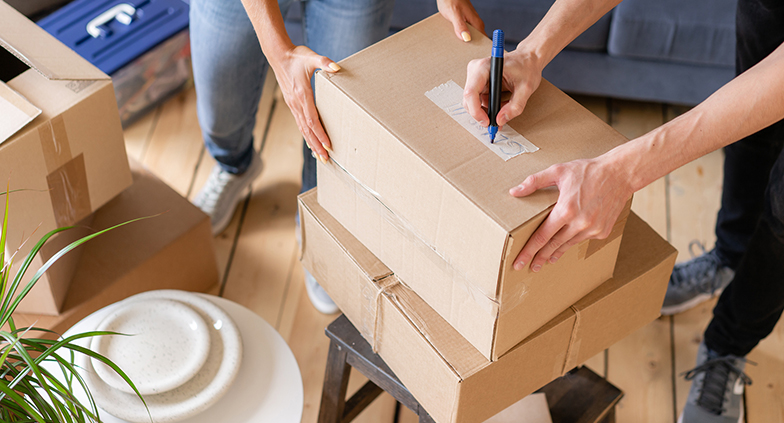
[66, 175]
[515, 292]
[399, 296]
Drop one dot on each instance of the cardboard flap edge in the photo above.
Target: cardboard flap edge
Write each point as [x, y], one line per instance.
[17, 112]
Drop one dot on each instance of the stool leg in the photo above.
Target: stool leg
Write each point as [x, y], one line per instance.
[610, 417]
[424, 417]
[333, 394]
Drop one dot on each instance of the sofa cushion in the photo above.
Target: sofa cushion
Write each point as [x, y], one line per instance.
[685, 31]
[516, 17]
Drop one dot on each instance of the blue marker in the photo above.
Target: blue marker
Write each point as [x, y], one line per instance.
[496, 76]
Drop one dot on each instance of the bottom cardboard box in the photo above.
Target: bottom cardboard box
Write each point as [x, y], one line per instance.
[445, 373]
[170, 251]
[48, 294]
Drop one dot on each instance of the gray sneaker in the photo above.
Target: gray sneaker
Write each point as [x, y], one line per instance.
[222, 192]
[695, 281]
[716, 394]
[318, 296]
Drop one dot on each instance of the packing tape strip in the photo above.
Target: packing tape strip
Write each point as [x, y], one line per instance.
[373, 200]
[508, 142]
[66, 175]
[573, 348]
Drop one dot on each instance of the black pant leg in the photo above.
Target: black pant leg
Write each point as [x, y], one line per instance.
[752, 304]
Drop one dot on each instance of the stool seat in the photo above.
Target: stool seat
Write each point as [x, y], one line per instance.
[580, 396]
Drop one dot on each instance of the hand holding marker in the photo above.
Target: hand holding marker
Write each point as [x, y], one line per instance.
[496, 75]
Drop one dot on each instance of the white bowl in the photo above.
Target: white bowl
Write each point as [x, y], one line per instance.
[166, 344]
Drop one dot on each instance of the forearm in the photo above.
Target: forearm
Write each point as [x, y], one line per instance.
[268, 23]
[565, 20]
[747, 104]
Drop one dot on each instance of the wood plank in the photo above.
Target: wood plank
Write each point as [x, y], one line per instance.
[633, 119]
[260, 265]
[137, 135]
[175, 147]
[765, 396]
[641, 366]
[688, 328]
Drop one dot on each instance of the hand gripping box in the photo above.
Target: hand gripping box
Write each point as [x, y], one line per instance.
[171, 250]
[60, 142]
[424, 190]
[446, 374]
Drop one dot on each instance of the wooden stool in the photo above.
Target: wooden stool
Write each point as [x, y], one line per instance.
[581, 396]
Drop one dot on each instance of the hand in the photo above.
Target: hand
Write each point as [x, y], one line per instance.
[592, 194]
[522, 76]
[293, 72]
[460, 12]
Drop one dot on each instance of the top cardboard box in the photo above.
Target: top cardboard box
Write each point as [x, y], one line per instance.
[60, 136]
[447, 190]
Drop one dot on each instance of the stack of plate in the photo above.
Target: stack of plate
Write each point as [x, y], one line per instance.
[181, 351]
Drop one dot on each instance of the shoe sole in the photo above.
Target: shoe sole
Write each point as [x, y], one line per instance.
[319, 306]
[741, 418]
[680, 308]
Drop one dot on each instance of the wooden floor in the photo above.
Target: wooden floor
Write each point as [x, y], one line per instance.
[258, 257]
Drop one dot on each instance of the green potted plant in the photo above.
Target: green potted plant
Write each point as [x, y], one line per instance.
[30, 391]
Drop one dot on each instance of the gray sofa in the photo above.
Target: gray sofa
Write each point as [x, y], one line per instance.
[672, 51]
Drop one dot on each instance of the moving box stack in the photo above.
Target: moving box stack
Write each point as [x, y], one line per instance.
[62, 149]
[413, 234]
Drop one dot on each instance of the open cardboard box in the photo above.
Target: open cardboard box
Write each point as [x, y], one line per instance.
[446, 192]
[452, 380]
[60, 141]
[172, 250]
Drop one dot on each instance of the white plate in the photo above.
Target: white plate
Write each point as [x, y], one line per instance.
[268, 387]
[167, 343]
[194, 396]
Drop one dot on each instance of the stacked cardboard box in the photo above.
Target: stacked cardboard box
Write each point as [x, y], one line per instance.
[63, 155]
[413, 232]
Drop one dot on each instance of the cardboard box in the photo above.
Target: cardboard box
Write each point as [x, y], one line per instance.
[448, 376]
[448, 192]
[60, 138]
[171, 251]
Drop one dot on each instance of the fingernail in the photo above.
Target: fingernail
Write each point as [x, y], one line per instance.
[466, 36]
[516, 190]
[553, 259]
[334, 66]
[536, 268]
[519, 265]
[323, 159]
[327, 147]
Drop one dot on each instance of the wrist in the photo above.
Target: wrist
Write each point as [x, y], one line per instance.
[530, 53]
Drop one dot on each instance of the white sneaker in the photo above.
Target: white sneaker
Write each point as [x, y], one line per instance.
[222, 192]
[318, 296]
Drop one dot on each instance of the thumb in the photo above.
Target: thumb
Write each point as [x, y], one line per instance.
[461, 28]
[327, 64]
[543, 179]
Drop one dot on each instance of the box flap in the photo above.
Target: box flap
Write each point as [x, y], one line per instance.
[389, 81]
[40, 50]
[16, 112]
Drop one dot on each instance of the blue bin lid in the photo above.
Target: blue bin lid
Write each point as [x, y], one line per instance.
[119, 30]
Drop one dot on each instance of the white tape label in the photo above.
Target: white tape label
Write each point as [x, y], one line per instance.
[508, 143]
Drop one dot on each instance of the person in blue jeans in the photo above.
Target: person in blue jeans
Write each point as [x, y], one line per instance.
[232, 42]
[748, 260]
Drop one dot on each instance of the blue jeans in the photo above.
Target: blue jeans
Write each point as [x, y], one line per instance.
[750, 225]
[229, 67]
